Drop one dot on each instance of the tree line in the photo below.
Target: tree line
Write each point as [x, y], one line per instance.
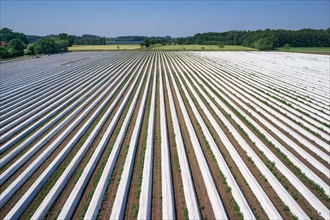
[88, 39]
[263, 39]
[15, 44]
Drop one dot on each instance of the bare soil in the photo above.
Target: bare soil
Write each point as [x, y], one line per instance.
[58, 205]
[156, 207]
[312, 153]
[111, 192]
[31, 180]
[201, 192]
[48, 130]
[180, 203]
[321, 175]
[135, 187]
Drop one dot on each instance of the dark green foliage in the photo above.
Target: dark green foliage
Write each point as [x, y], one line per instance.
[41, 45]
[29, 50]
[62, 36]
[146, 42]
[16, 43]
[3, 53]
[186, 214]
[264, 44]
[45, 46]
[286, 46]
[15, 48]
[160, 40]
[21, 37]
[7, 34]
[138, 40]
[62, 45]
[69, 38]
[88, 39]
[128, 38]
[50, 45]
[33, 38]
[278, 38]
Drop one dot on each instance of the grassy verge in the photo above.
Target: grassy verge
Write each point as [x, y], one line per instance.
[202, 48]
[111, 47]
[317, 50]
[5, 60]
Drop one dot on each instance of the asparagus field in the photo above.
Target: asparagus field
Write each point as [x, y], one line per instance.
[165, 135]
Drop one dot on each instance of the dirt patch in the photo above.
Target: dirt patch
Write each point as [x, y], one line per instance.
[50, 141]
[284, 132]
[133, 197]
[222, 186]
[201, 192]
[56, 208]
[180, 203]
[246, 190]
[156, 210]
[303, 203]
[264, 183]
[294, 170]
[312, 168]
[111, 192]
[309, 151]
[63, 93]
[58, 205]
[31, 180]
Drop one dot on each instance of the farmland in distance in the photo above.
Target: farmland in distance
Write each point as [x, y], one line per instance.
[162, 134]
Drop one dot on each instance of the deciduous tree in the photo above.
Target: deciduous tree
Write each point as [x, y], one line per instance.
[15, 48]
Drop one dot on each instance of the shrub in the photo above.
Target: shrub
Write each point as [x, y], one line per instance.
[62, 45]
[50, 45]
[29, 50]
[45, 46]
[264, 44]
[3, 53]
[286, 46]
[15, 48]
[146, 42]
[221, 45]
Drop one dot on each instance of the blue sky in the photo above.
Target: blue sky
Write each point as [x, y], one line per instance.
[160, 18]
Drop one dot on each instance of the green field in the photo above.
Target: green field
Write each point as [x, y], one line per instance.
[104, 47]
[203, 47]
[317, 50]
